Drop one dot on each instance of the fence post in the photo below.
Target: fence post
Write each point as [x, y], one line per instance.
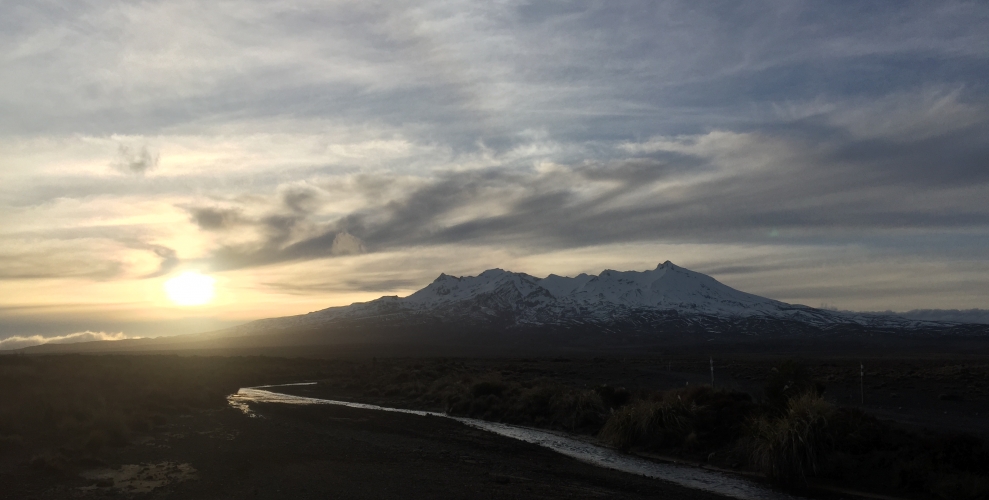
[862, 381]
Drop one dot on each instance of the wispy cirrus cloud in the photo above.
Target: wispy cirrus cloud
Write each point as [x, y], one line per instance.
[719, 186]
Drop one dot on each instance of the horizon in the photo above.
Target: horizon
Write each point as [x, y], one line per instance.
[945, 315]
[174, 168]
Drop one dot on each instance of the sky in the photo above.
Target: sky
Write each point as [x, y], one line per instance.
[308, 154]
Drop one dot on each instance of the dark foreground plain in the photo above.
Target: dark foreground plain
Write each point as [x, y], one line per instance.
[321, 452]
[157, 426]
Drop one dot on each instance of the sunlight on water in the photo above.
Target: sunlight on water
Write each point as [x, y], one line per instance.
[690, 477]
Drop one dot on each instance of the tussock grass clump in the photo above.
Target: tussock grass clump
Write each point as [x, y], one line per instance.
[883, 456]
[791, 447]
[790, 380]
[487, 387]
[651, 423]
[613, 397]
[579, 410]
[539, 403]
[692, 418]
[965, 485]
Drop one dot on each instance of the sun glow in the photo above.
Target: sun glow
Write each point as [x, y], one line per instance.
[190, 289]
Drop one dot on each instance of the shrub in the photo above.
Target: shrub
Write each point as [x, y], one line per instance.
[613, 397]
[882, 455]
[487, 387]
[721, 415]
[650, 424]
[793, 446]
[579, 410]
[952, 486]
[787, 381]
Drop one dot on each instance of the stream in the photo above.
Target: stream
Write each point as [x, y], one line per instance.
[683, 475]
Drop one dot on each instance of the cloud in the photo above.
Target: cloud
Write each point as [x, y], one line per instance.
[364, 285]
[28, 258]
[100, 254]
[135, 161]
[214, 218]
[458, 72]
[17, 342]
[169, 261]
[301, 199]
[720, 186]
[345, 243]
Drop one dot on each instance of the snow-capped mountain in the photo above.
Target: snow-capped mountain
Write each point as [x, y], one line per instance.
[641, 300]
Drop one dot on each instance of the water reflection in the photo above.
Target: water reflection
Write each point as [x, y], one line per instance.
[691, 477]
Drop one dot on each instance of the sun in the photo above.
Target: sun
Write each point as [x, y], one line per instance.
[190, 289]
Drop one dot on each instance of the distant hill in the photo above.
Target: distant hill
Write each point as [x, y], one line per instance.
[950, 315]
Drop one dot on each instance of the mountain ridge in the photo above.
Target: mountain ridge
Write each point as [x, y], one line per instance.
[650, 298]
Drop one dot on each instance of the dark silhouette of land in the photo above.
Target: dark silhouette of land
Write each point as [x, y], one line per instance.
[91, 425]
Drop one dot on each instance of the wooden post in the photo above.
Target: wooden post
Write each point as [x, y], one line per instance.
[862, 381]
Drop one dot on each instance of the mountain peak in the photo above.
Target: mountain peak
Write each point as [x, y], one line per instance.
[497, 271]
[612, 299]
[560, 299]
